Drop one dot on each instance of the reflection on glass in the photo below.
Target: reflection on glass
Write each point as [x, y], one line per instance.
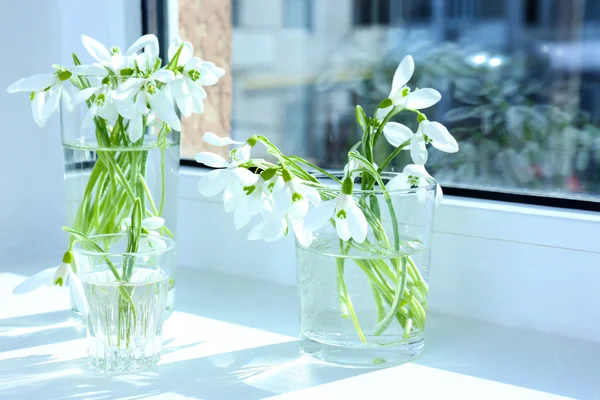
[520, 80]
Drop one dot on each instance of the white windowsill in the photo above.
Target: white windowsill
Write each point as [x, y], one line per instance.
[235, 338]
[523, 266]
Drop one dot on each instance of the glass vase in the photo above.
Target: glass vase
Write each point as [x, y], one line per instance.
[126, 295]
[104, 172]
[365, 304]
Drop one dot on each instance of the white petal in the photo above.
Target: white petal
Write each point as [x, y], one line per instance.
[416, 170]
[219, 72]
[83, 95]
[152, 223]
[418, 149]
[66, 99]
[34, 83]
[256, 203]
[89, 70]
[396, 134]
[183, 97]
[136, 127]
[132, 85]
[37, 105]
[310, 193]
[96, 49]
[246, 177]
[299, 209]
[398, 182]
[42, 278]
[156, 243]
[186, 53]
[256, 232]
[126, 107]
[383, 112]
[282, 200]
[141, 104]
[164, 75]
[403, 73]
[195, 89]
[241, 216]
[242, 154]
[163, 108]
[319, 216]
[341, 226]
[207, 78]
[108, 111]
[274, 229]
[173, 47]
[303, 235]
[213, 182]
[88, 119]
[357, 223]
[441, 139]
[213, 139]
[422, 98]
[439, 194]
[77, 293]
[150, 42]
[51, 103]
[211, 160]
[197, 105]
[231, 195]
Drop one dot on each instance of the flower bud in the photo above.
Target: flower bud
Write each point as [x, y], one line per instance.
[268, 173]
[287, 176]
[64, 75]
[348, 186]
[252, 141]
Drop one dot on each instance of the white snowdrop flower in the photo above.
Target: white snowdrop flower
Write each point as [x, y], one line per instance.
[192, 74]
[427, 132]
[290, 206]
[350, 221]
[414, 176]
[57, 276]
[113, 59]
[103, 105]
[402, 96]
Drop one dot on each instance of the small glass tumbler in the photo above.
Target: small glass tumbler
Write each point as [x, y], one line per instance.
[126, 295]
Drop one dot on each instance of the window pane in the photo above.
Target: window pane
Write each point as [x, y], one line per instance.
[520, 81]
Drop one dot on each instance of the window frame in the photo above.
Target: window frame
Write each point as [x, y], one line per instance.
[157, 18]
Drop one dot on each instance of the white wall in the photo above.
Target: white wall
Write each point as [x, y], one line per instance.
[35, 34]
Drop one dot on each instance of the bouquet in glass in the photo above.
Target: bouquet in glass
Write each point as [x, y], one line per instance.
[362, 235]
[125, 144]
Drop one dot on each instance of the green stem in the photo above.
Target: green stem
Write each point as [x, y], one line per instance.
[400, 288]
[392, 155]
[344, 294]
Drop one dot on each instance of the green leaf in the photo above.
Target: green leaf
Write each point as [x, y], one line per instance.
[75, 59]
[361, 117]
[136, 226]
[385, 103]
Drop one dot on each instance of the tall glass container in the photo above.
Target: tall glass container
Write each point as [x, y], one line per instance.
[126, 295]
[104, 172]
[365, 303]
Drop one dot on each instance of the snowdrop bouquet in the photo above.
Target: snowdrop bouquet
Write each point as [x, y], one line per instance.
[132, 103]
[291, 199]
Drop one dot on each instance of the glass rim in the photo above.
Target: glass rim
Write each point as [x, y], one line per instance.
[431, 183]
[77, 246]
